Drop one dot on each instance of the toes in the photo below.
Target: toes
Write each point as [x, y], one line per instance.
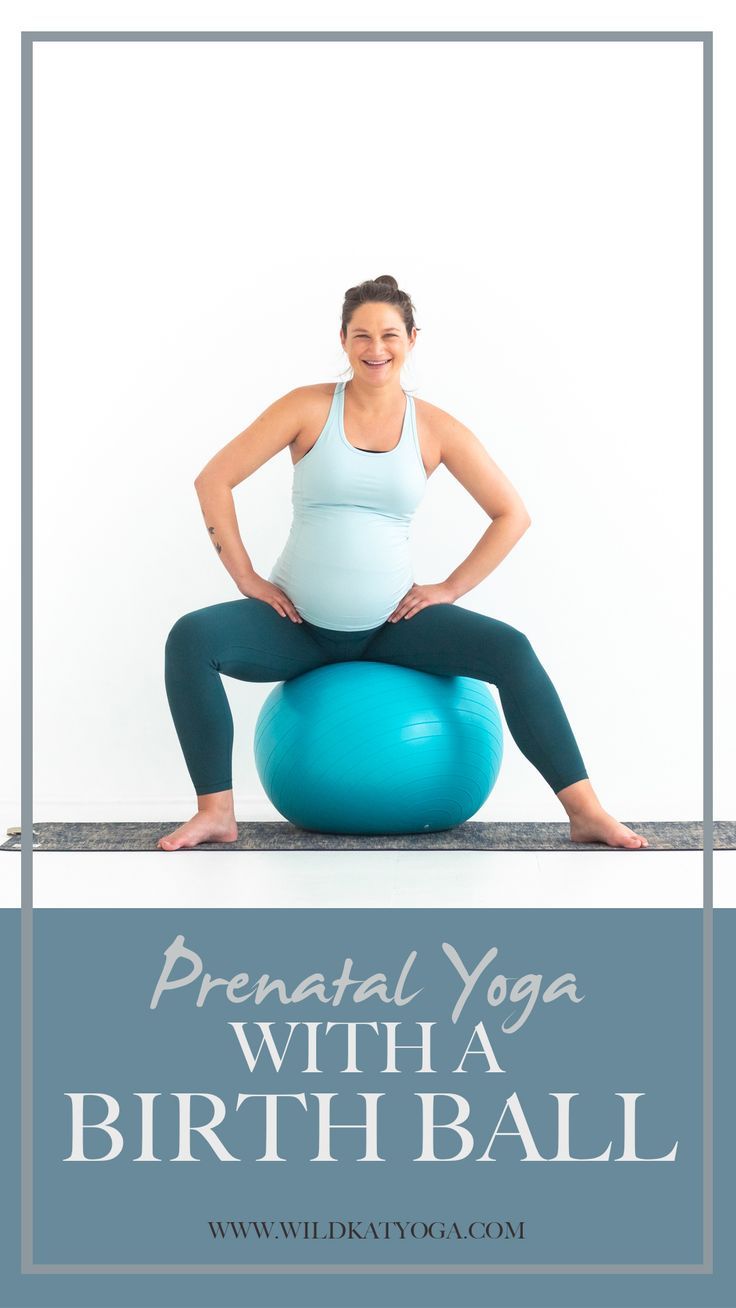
[628, 839]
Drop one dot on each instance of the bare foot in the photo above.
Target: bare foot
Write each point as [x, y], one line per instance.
[604, 828]
[589, 821]
[204, 826]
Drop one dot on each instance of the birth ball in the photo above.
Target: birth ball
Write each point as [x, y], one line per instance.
[374, 749]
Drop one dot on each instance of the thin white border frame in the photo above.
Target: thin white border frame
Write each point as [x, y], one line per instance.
[28, 1266]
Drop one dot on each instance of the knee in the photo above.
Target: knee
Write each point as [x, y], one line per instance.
[518, 648]
[184, 634]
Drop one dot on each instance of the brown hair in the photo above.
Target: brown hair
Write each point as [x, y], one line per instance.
[379, 290]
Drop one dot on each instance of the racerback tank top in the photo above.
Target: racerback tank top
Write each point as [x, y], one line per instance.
[347, 561]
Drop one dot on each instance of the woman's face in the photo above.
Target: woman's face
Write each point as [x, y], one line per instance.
[376, 343]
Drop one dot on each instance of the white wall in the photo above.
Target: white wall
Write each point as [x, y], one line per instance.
[200, 210]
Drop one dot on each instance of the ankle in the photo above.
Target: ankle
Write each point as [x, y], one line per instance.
[579, 800]
[219, 803]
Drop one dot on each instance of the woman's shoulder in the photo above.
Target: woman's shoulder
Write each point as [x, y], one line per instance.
[311, 406]
[435, 425]
[444, 427]
[307, 402]
[431, 413]
[316, 391]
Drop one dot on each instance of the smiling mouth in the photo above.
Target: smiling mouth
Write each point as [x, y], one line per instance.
[383, 363]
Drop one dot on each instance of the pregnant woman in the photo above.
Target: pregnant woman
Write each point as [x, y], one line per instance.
[343, 587]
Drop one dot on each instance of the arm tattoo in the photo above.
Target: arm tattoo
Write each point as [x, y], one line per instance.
[216, 543]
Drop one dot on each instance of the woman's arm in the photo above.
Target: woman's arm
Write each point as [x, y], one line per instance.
[272, 431]
[469, 462]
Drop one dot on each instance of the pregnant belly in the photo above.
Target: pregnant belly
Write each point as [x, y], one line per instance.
[346, 580]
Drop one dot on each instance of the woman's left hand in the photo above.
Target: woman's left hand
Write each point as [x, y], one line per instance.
[420, 597]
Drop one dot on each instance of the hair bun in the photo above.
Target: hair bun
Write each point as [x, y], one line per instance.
[386, 280]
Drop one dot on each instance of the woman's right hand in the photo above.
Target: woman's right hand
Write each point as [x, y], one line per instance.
[258, 588]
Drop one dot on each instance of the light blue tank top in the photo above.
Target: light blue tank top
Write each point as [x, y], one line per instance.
[347, 561]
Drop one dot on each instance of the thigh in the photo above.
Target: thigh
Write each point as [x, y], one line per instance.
[450, 641]
[246, 639]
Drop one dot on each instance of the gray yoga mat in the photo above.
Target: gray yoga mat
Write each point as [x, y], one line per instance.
[124, 837]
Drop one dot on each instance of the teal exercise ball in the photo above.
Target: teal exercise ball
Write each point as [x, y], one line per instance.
[374, 749]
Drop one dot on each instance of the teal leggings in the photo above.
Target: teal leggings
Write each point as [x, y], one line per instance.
[249, 640]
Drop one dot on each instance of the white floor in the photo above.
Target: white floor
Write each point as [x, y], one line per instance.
[391, 879]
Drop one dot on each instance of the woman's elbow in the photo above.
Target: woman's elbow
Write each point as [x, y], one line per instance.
[204, 479]
[516, 517]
